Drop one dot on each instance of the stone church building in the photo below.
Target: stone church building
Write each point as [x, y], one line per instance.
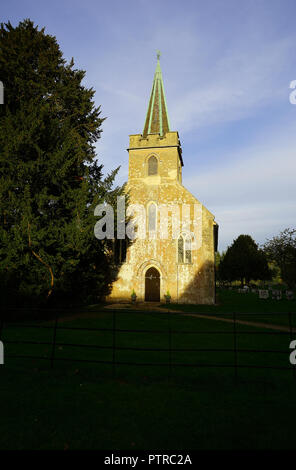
[182, 262]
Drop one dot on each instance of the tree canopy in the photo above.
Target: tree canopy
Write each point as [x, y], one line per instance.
[281, 249]
[244, 261]
[50, 180]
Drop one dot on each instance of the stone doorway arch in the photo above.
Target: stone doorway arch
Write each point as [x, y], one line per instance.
[152, 285]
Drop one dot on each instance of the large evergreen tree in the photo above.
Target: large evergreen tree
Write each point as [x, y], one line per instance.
[49, 179]
[244, 261]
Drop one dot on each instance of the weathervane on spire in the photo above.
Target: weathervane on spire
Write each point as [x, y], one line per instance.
[158, 54]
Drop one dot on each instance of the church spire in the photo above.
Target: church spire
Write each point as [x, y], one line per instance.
[157, 119]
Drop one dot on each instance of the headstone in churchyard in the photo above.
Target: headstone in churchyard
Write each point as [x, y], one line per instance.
[263, 293]
[289, 295]
[276, 294]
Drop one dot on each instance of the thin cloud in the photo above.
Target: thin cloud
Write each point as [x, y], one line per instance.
[255, 192]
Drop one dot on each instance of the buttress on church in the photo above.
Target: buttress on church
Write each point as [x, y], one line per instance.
[182, 264]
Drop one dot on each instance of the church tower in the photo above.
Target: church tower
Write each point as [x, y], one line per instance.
[174, 249]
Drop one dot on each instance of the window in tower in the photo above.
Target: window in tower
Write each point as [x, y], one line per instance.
[152, 166]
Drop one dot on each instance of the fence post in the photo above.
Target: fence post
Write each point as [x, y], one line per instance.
[54, 341]
[1, 345]
[113, 342]
[170, 347]
[1, 327]
[235, 346]
[291, 338]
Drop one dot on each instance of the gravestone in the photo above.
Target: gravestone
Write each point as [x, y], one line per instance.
[276, 294]
[289, 295]
[242, 291]
[263, 294]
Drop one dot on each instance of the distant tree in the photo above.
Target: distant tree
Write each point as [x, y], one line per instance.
[244, 261]
[50, 181]
[281, 250]
[218, 258]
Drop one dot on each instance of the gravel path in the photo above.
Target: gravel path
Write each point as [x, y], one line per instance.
[270, 326]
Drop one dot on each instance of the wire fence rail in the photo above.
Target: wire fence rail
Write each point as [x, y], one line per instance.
[168, 332]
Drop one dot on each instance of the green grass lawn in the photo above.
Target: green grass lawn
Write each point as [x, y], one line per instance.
[89, 405]
[246, 307]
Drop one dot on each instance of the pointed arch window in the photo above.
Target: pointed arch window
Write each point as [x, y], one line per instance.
[184, 250]
[152, 212]
[187, 247]
[152, 166]
[180, 250]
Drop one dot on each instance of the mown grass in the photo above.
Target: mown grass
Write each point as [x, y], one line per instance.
[246, 307]
[89, 405]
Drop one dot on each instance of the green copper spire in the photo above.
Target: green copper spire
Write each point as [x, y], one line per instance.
[157, 118]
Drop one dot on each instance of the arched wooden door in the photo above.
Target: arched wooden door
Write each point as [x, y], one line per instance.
[152, 285]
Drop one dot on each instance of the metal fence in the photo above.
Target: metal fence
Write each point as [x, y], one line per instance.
[233, 319]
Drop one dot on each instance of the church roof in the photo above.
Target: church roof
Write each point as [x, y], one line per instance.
[157, 118]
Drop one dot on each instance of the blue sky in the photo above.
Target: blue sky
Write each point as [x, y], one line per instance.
[227, 66]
